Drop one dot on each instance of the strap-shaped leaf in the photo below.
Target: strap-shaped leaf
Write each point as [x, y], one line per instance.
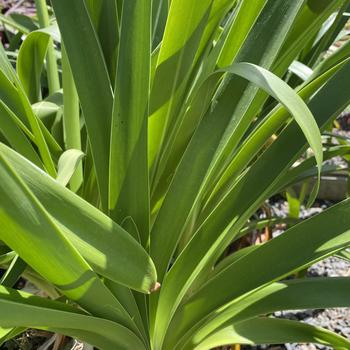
[13, 272]
[177, 52]
[247, 14]
[109, 250]
[288, 97]
[71, 119]
[27, 228]
[6, 258]
[92, 82]
[187, 119]
[53, 31]
[301, 70]
[30, 63]
[307, 168]
[305, 243]
[311, 293]
[208, 140]
[67, 164]
[6, 66]
[9, 333]
[273, 331]
[51, 59]
[312, 16]
[127, 298]
[23, 309]
[291, 101]
[15, 98]
[257, 139]
[104, 16]
[128, 177]
[225, 222]
[11, 127]
[328, 34]
[159, 17]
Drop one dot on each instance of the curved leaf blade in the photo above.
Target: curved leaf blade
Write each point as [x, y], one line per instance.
[30, 63]
[23, 309]
[67, 164]
[108, 251]
[273, 331]
[310, 293]
[306, 243]
[27, 228]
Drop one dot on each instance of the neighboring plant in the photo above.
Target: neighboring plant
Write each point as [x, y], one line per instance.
[121, 193]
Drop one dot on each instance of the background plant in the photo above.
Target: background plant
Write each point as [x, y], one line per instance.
[138, 139]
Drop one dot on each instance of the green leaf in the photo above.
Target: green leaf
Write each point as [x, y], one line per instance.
[328, 37]
[47, 112]
[258, 138]
[128, 176]
[12, 127]
[219, 121]
[9, 95]
[16, 21]
[291, 101]
[30, 63]
[306, 169]
[127, 299]
[67, 165]
[255, 51]
[247, 15]
[104, 16]
[53, 31]
[14, 272]
[311, 293]
[159, 18]
[9, 333]
[257, 184]
[218, 12]
[284, 94]
[340, 55]
[71, 118]
[197, 101]
[23, 309]
[344, 254]
[94, 90]
[313, 14]
[301, 70]
[177, 52]
[7, 257]
[51, 59]
[294, 203]
[255, 180]
[15, 98]
[47, 250]
[38, 132]
[305, 243]
[110, 250]
[273, 331]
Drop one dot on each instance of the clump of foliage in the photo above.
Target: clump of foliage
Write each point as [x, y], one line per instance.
[138, 138]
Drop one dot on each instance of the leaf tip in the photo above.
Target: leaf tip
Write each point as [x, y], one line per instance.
[155, 287]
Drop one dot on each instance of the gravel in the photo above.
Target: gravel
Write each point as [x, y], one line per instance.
[335, 319]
